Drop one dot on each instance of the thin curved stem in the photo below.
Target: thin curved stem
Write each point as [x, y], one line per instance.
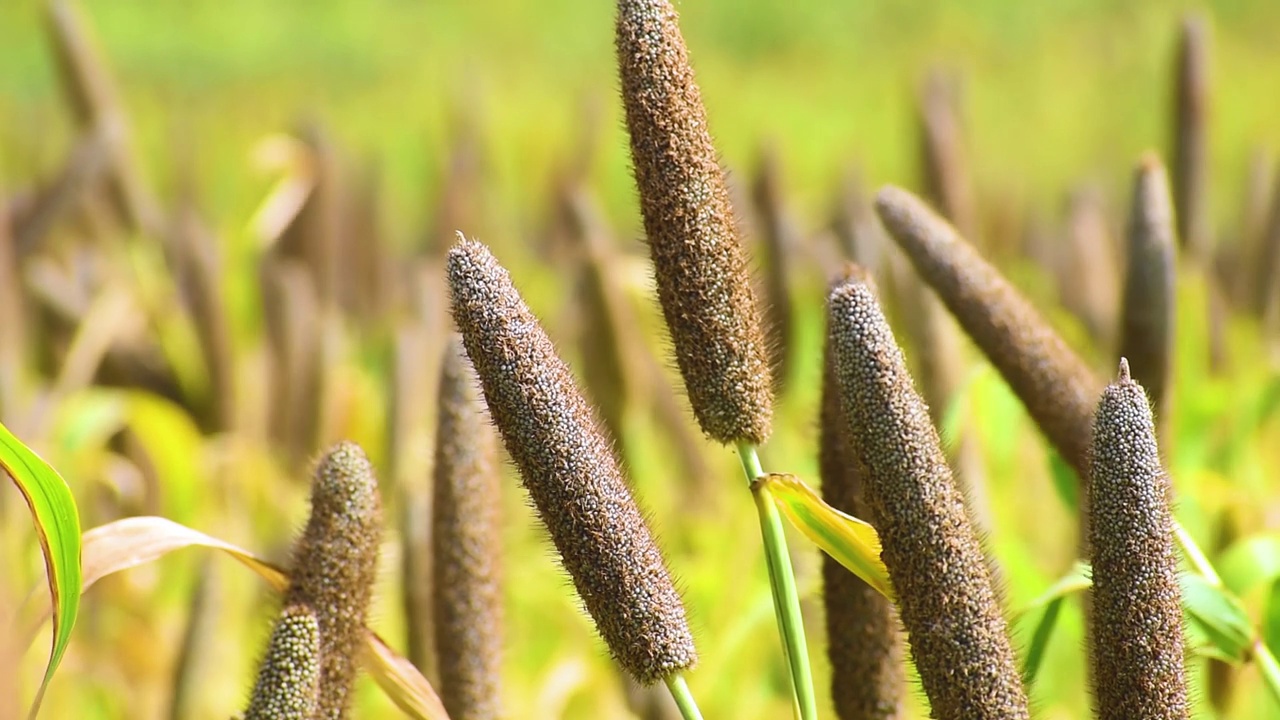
[786, 599]
[684, 699]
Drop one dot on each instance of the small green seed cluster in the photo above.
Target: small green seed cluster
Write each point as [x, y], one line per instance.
[334, 567]
[946, 599]
[1149, 301]
[467, 544]
[1136, 626]
[863, 642]
[1053, 382]
[703, 282]
[570, 471]
[289, 676]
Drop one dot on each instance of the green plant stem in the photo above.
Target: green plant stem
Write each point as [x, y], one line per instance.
[1195, 555]
[1268, 666]
[684, 699]
[786, 600]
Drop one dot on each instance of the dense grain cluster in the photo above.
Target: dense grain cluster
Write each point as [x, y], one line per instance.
[334, 567]
[289, 677]
[467, 544]
[569, 470]
[1052, 381]
[702, 276]
[1136, 626]
[1148, 317]
[946, 600]
[863, 642]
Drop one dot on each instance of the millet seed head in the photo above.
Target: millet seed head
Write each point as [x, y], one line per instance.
[335, 565]
[1054, 383]
[570, 471]
[863, 642]
[1149, 297]
[466, 538]
[1136, 629]
[702, 276]
[1191, 137]
[950, 609]
[289, 677]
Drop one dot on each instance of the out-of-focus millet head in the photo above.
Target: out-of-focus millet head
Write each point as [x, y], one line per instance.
[570, 471]
[1056, 386]
[289, 676]
[951, 612]
[467, 545]
[864, 645]
[1149, 292]
[335, 566]
[702, 276]
[1136, 633]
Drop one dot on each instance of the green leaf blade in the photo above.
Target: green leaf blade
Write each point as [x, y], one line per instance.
[57, 523]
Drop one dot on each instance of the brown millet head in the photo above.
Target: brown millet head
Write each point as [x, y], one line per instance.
[466, 538]
[950, 609]
[1149, 301]
[702, 276]
[335, 565]
[289, 677]
[1055, 385]
[570, 471]
[868, 675]
[1191, 137]
[1136, 627]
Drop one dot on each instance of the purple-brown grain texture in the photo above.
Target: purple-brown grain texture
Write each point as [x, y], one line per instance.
[1136, 640]
[570, 471]
[335, 564]
[947, 602]
[863, 642]
[702, 276]
[466, 538]
[1053, 383]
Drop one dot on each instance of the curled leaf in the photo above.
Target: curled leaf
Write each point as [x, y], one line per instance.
[852, 542]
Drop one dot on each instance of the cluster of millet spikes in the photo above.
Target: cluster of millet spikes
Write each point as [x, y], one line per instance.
[570, 471]
[703, 285]
[333, 570]
[465, 541]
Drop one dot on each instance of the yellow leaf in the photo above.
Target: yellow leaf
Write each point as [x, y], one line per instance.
[852, 542]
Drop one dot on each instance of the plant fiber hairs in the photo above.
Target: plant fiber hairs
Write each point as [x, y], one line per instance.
[702, 277]
[949, 607]
[570, 471]
[288, 682]
[868, 671]
[1136, 641]
[335, 564]
[467, 547]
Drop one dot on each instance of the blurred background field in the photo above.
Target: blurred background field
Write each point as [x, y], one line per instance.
[501, 119]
